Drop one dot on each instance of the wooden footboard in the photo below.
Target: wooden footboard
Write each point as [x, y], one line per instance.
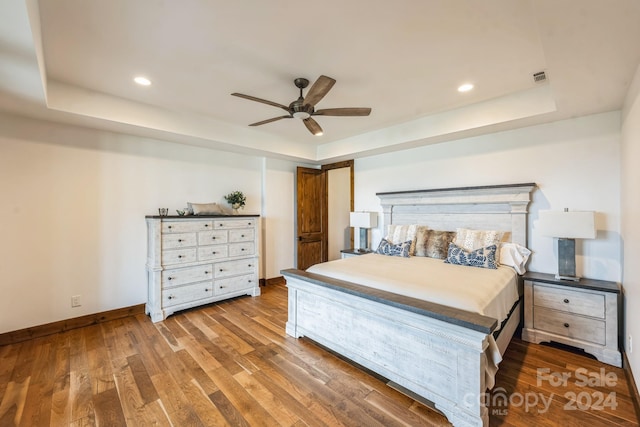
[433, 351]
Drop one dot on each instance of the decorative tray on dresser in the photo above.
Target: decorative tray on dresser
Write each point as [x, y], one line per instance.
[195, 260]
[583, 314]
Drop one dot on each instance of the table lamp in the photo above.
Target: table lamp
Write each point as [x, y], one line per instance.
[364, 221]
[567, 226]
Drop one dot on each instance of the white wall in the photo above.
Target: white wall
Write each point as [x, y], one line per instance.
[630, 208]
[339, 206]
[74, 202]
[574, 162]
[279, 213]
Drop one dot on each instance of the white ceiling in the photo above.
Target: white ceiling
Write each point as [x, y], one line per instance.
[74, 61]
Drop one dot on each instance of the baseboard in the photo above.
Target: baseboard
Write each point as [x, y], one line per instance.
[273, 281]
[66, 325]
[632, 384]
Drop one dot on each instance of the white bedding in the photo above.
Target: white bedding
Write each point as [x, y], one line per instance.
[484, 291]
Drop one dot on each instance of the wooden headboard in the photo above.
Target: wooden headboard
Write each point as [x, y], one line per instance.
[494, 207]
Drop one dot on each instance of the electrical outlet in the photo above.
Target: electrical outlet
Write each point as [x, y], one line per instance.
[75, 301]
[630, 344]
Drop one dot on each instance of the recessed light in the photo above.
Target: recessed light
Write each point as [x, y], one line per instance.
[142, 81]
[465, 87]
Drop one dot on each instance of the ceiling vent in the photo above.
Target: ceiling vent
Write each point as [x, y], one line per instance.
[539, 77]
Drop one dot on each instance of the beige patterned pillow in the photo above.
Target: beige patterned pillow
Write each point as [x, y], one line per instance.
[476, 239]
[402, 233]
[433, 243]
[205, 208]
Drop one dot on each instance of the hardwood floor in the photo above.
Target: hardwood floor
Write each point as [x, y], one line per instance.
[231, 363]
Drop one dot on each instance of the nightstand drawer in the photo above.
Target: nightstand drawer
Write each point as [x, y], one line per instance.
[569, 301]
[569, 325]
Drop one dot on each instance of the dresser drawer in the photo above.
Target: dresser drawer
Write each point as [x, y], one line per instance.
[186, 226]
[233, 284]
[569, 301]
[238, 249]
[185, 294]
[178, 240]
[241, 235]
[569, 325]
[177, 256]
[208, 253]
[234, 223]
[233, 268]
[180, 276]
[212, 237]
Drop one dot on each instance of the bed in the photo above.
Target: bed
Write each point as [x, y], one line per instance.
[426, 347]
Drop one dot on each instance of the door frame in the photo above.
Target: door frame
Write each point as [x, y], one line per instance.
[324, 169]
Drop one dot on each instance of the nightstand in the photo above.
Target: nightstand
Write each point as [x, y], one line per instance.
[346, 253]
[582, 314]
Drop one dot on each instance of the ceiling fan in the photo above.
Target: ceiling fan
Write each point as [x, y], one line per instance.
[304, 107]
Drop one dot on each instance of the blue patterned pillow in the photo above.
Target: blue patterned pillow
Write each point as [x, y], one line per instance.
[400, 249]
[483, 257]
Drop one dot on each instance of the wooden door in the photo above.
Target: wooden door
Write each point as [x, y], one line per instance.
[312, 217]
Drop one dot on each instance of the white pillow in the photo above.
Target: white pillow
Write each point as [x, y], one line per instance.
[205, 209]
[514, 255]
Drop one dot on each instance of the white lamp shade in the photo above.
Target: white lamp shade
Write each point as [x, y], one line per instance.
[363, 219]
[568, 224]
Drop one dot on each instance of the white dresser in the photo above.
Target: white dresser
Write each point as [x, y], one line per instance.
[196, 260]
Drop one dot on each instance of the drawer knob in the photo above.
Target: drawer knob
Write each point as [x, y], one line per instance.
[242, 235]
[249, 280]
[206, 289]
[242, 249]
[566, 325]
[179, 240]
[206, 272]
[171, 297]
[169, 278]
[250, 265]
[206, 225]
[169, 227]
[214, 237]
[221, 270]
[179, 256]
[221, 287]
[566, 301]
[214, 252]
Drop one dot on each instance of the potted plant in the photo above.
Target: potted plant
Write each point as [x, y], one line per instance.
[236, 199]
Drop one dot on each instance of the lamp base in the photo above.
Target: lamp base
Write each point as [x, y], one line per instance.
[567, 260]
[364, 240]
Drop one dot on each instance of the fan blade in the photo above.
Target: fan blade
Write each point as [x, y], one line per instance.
[319, 90]
[264, 122]
[264, 101]
[313, 126]
[343, 112]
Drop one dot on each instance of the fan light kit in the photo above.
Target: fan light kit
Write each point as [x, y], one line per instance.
[142, 81]
[304, 107]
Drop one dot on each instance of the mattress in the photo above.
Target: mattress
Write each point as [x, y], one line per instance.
[484, 291]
